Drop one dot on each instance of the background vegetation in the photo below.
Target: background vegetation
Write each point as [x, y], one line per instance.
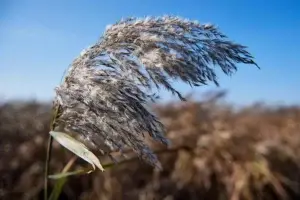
[217, 153]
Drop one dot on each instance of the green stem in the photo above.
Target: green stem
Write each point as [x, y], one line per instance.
[48, 158]
[49, 150]
[61, 182]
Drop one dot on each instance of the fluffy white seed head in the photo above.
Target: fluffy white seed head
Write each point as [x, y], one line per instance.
[104, 94]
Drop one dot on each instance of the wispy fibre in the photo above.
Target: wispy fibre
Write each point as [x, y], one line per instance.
[103, 97]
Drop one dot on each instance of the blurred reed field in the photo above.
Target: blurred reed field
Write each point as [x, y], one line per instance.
[217, 153]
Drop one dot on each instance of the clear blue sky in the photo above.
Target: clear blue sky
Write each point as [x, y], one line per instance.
[38, 40]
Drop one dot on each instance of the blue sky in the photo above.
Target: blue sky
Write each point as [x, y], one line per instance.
[39, 39]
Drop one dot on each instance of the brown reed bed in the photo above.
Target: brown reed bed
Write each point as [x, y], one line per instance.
[216, 153]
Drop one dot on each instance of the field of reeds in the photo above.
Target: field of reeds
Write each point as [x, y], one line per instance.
[217, 153]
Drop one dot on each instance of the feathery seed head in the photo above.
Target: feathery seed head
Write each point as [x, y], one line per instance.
[104, 95]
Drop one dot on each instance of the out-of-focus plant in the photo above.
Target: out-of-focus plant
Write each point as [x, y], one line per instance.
[101, 105]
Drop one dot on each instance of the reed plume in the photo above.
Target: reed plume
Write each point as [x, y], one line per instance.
[103, 98]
